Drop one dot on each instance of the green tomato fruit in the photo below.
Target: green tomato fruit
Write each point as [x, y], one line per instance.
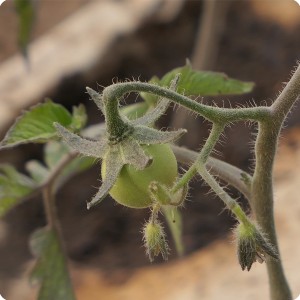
[131, 187]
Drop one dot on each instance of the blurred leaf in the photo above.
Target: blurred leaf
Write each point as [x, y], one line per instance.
[150, 99]
[37, 171]
[55, 151]
[50, 270]
[25, 11]
[174, 220]
[204, 83]
[79, 117]
[36, 124]
[135, 110]
[13, 187]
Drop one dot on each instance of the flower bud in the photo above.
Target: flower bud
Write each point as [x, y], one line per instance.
[252, 246]
[155, 240]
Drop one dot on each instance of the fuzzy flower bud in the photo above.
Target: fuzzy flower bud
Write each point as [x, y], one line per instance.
[252, 246]
[155, 240]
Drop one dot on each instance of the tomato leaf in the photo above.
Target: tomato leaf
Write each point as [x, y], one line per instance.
[13, 187]
[204, 83]
[50, 270]
[37, 170]
[36, 124]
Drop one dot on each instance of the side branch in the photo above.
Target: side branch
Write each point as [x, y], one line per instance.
[113, 93]
[287, 98]
[236, 177]
[201, 159]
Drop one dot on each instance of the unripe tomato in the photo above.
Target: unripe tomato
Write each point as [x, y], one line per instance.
[131, 187]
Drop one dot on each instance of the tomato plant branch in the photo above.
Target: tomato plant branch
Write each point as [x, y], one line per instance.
[236, 177]
[230, 203]
[262, 184]
[210, 143]
[48, 192]
[113, 93]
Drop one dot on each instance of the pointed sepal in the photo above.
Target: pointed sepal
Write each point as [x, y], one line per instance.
[253, 246]
[111, 168]
[81, 145]
[147, 135]
[97, 98]
[133, 154]
[153, 115]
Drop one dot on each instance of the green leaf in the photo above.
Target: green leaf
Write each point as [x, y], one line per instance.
[79, 117]
[13, 187]
[51, 266]
[135, 110]
[174, 220]
[204, 83]
[55, 151]
[25, 11]
[36, 125]
[37, 171]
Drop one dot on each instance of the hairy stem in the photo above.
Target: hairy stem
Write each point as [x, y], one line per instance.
[230, 203]
[209, 145]
[113, 93]
[236, 177]
[48, 191]
[262, 184]
[262, 204]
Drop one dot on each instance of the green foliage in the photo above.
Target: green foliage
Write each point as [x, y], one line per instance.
[25, 11]
[204, 83]
[50, 270]
[135, 110]
[36, 124]
[199, 83]
[79, 117]
[55, 152]
[14, 186]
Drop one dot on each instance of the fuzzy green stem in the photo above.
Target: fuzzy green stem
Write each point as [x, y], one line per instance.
[262, 184]
[116, 91]
[262, 204]
[209, 145]
[117, 128]
[230, 203]
[227, 172]
[48, 191]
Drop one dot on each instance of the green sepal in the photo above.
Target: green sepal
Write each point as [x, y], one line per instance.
[81, 145]
[147, 135]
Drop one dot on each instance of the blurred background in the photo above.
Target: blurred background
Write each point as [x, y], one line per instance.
[79, 43]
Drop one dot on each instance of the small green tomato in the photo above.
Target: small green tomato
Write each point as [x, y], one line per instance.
[131, 187]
